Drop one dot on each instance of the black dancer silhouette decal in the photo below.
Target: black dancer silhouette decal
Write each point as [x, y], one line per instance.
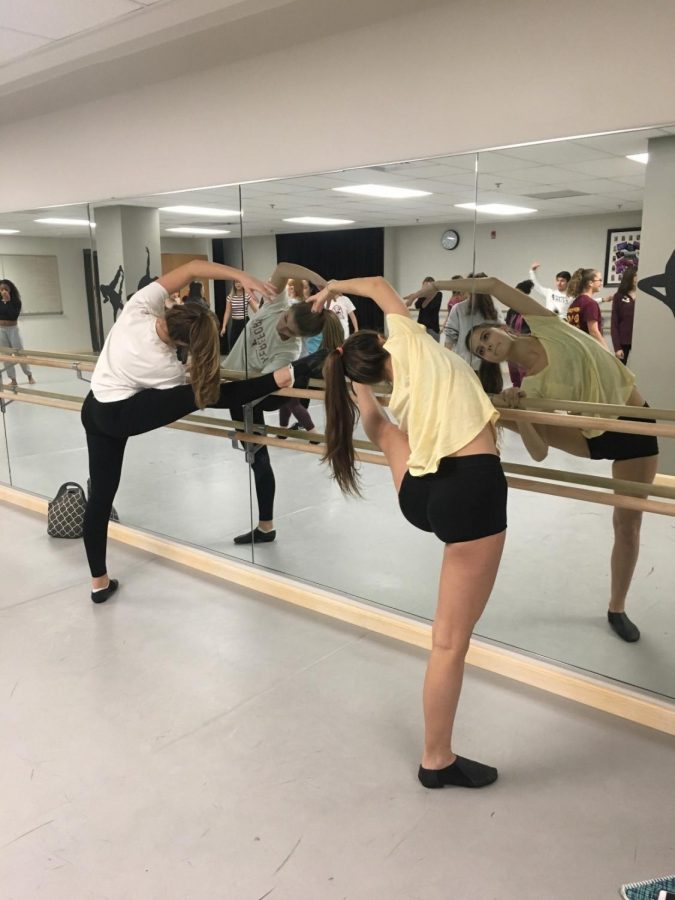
[146, 279]
[112, 293]
[666, 281]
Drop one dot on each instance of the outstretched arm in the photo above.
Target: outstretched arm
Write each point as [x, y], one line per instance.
[532, 437]
[376, 287]
[201, 269]
[509, 296]
[286, 270]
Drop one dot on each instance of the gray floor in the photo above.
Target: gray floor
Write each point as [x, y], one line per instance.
[552, 591]
[191, 741]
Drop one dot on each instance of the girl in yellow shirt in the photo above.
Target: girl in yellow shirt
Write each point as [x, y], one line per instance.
[449, 480]
[564, 363]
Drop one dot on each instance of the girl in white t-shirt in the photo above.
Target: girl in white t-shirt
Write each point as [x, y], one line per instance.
[140, 383]
[449, 481]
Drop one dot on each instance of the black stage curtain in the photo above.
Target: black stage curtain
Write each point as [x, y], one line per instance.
[220, 288]
[340, 254]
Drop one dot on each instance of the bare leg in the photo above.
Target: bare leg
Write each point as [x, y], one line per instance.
[627, 524]
[467, 577]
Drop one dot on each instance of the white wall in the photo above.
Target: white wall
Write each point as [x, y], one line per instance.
[557, 244]
[69, 331]
[468, 74]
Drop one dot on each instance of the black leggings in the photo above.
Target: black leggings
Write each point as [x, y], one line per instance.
[263, 474]
[108, 425]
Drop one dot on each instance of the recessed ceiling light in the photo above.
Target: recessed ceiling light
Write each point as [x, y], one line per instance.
[199, 211]
[67, 222]
[9, 231]
[640, 157]
[319, 220]
[382, 190]
[188, 230]
[497, 209]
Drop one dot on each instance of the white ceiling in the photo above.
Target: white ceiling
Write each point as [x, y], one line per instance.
[596, 167]
[57, 53]
[26, 25]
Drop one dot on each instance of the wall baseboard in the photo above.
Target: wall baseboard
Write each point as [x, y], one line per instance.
[598, 693]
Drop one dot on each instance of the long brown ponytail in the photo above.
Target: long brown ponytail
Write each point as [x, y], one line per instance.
[193, 326]
[362, 359]
[310, 323]
[579, 282]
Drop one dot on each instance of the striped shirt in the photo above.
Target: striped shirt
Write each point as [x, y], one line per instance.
[239, 304]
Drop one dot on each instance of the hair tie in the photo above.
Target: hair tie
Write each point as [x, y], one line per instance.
[340, 350]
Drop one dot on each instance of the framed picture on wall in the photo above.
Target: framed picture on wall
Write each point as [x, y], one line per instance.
[622, 252]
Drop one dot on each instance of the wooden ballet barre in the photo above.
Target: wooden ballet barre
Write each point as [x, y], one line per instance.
[588, 422]
[635, 503]
[221, 428]
[49, 362]
[631, 488]
[602, 409]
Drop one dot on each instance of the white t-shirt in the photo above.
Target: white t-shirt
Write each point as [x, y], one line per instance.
[556, 301]
[342, 306]
[134, 357]
[260, 347]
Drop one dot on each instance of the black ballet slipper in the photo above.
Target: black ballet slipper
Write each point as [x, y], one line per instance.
[462, 773]
[622, 625]
[102, 596]
[256, 537]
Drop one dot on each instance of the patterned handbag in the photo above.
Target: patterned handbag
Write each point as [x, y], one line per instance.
[65, 513]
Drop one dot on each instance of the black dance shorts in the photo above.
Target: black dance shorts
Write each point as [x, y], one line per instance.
[463, 501]
[619, 445]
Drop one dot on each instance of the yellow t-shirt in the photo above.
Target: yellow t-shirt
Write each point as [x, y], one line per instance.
[436, 397]
[579, 368]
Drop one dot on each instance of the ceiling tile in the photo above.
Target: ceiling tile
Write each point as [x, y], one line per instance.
[55, 20]
[16, 43]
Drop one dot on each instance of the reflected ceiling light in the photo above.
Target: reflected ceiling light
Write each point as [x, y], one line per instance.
[319, 220]
[497, 209]
[189, 230]
[383, 191]
[9, 231]
[199, 211]
[640, 157]
[67, 222]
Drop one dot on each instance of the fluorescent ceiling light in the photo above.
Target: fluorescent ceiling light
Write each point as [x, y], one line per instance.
[199, 211]
[319, 220]
[640, 157]
[497, 209]
[67, 222]
[382, 190]
[188, 230]
[9, 231]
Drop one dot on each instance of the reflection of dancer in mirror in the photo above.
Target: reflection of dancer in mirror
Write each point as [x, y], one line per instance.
[272, 338]
[140, 383]
[662, 286]
[112, 293]
[449, 481]
[10, 336]
[564, 363]
[623, 315]
[237, 304]
[583, 311]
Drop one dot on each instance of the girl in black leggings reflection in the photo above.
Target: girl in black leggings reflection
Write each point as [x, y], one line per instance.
[141, 383]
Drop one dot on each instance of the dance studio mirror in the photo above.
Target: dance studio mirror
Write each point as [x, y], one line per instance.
[46, 253]
[589, 199]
